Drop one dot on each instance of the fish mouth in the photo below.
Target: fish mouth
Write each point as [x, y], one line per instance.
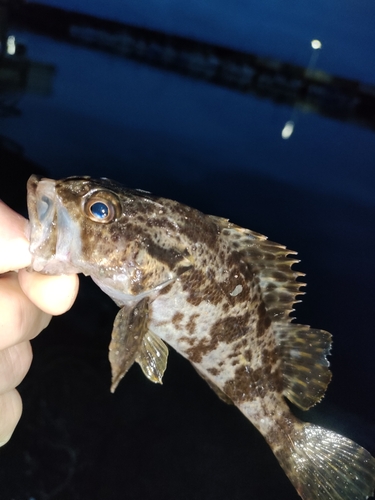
[41, 195]
[54, 236]
[41, 204]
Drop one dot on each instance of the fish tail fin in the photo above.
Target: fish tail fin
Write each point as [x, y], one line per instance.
[324, 465]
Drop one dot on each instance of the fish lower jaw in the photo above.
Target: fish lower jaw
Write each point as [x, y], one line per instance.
[52, 266]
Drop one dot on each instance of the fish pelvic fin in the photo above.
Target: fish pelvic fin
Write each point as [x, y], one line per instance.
[129, 329]
[132, 341]
[323, 464]
[153, 357]
[303, 352]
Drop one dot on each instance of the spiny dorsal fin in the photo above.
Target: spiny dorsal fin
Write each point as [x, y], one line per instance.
[278, 282]
[270, 263]
[302, 350]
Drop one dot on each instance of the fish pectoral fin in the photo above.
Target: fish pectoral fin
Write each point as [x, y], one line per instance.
[152, 357]
[129, 328]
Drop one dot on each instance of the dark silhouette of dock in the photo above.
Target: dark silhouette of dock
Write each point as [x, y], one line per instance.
[308, 89]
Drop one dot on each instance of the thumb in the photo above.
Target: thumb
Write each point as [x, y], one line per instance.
[14, 244]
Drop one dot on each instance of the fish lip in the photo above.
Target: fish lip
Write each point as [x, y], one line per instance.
[37, 187]
[32, 185]
[40, 247]
[32, 188]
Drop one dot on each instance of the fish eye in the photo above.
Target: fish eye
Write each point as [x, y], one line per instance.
[102, 209]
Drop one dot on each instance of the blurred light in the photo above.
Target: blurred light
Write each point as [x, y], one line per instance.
[287, 130]
[11, 45]
[316, 44]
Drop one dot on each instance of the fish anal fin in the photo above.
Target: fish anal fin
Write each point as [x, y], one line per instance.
[215, 388]
[152, 357]
[323, 464]
[129, 328]
[303, 352]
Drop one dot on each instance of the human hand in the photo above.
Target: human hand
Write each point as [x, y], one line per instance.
[27, 302]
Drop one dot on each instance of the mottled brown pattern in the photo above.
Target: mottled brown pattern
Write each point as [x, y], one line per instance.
[231, 328]
[199, 228]
[197, 350]
[269, 357]
[226, 308]
[242, 386]
[248, 355]
[226, 330]
[233, 279]
[177, 319]
[239, 261]
[166, 289]
[182, 269]
[264, 321]
[248, 383]
[169, 256]
[162, 222]
[192, 323]
[200, 288]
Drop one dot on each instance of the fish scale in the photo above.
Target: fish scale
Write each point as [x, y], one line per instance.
[221, 296]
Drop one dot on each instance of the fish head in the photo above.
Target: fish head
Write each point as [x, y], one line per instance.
[54, 234]
[100, 228]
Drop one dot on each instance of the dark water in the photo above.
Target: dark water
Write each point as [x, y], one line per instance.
[221, 152]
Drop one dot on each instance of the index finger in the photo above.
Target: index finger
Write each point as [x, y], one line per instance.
[14, 244]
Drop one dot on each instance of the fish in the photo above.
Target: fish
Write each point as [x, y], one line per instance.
[221, 296]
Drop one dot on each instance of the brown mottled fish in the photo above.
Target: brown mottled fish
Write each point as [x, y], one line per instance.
[221, 296]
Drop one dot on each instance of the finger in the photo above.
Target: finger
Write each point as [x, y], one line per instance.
[10, 411]
[20, 319]
[53, 294]
[14, 244]
[14, 364]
